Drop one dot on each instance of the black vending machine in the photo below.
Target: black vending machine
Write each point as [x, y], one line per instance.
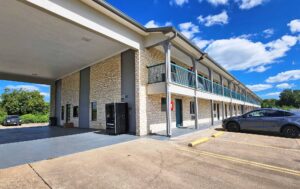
[116, 118]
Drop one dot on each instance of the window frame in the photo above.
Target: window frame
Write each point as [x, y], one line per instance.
[94, 111]
[62, 113]
[192, 107]
[163, 104]
[77, 111]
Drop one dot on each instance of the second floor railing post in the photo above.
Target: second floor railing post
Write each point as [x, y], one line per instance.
[196, 88]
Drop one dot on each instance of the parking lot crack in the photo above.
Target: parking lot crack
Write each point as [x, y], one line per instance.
[44, 181]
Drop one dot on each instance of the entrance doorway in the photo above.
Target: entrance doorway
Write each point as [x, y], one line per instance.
[179, 119]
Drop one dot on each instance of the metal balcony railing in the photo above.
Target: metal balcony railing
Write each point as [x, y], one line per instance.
[182, 76]
[157, 73]
[218, 89]
[185, 77]
[204, 84]
[227, 92]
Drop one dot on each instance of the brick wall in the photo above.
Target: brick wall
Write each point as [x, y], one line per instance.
[105, 87]
[157, 118]
[70, 95]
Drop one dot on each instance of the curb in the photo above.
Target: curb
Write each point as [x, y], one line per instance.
[198, 141]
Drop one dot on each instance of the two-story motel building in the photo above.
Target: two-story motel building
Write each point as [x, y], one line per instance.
[92, 54]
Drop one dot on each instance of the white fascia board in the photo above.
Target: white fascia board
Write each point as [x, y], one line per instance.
[180, 90]
[114, 16]
[90, 24]
[156, 88]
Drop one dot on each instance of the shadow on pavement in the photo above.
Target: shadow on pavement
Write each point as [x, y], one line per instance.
[12, 135]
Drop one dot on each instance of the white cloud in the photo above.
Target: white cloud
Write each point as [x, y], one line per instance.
[247, 36]
[259, 87]
[188, 29]
[218, 2]
[45, 94]
[248, 4]
[273, 94]
[294, 25]
[24, 87]
[151, 24]
[178, 2]
[244, 54]
[154, 24]
[218, 19]
[290, 75]
[268, 33]
[285, 86]
[259, 69]
[43, 85]
[201, 43]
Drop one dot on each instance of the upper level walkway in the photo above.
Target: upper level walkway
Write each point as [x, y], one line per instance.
[184, 83]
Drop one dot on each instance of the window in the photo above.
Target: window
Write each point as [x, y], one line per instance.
[163, 104]
[94, 111]
[259, 113]
[68, 113]
[288, 114]
[75, 111]
[62, 113]
[192, 107]
[274, 113]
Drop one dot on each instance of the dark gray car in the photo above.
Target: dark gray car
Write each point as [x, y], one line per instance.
[12, 120]
[266, 120]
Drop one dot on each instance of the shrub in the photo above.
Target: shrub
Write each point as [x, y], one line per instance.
[2, 115]
[2, 119]
[31, 118]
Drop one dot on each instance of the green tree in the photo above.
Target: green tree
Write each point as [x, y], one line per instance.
[22, 102]
[290, 98]
[269, 103]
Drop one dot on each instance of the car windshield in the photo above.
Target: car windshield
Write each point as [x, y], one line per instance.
[13, 116]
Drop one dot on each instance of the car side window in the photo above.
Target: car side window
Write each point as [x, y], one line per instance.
[288, 114]
[274, 113]
[259, 113]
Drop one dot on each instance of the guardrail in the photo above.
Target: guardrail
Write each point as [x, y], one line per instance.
[185, 77]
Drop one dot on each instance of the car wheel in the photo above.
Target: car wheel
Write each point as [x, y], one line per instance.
[233, 127]
[291, 132]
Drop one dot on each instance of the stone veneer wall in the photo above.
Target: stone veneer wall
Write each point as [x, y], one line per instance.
[157, 118]
[70, 95]
[105, 87]
[149, 115]
[204, 111]
[144, 58]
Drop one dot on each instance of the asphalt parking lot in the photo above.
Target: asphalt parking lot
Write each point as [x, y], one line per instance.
[232, 160]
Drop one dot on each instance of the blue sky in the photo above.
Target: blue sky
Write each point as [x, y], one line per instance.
[258, 41]
[254, 39]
